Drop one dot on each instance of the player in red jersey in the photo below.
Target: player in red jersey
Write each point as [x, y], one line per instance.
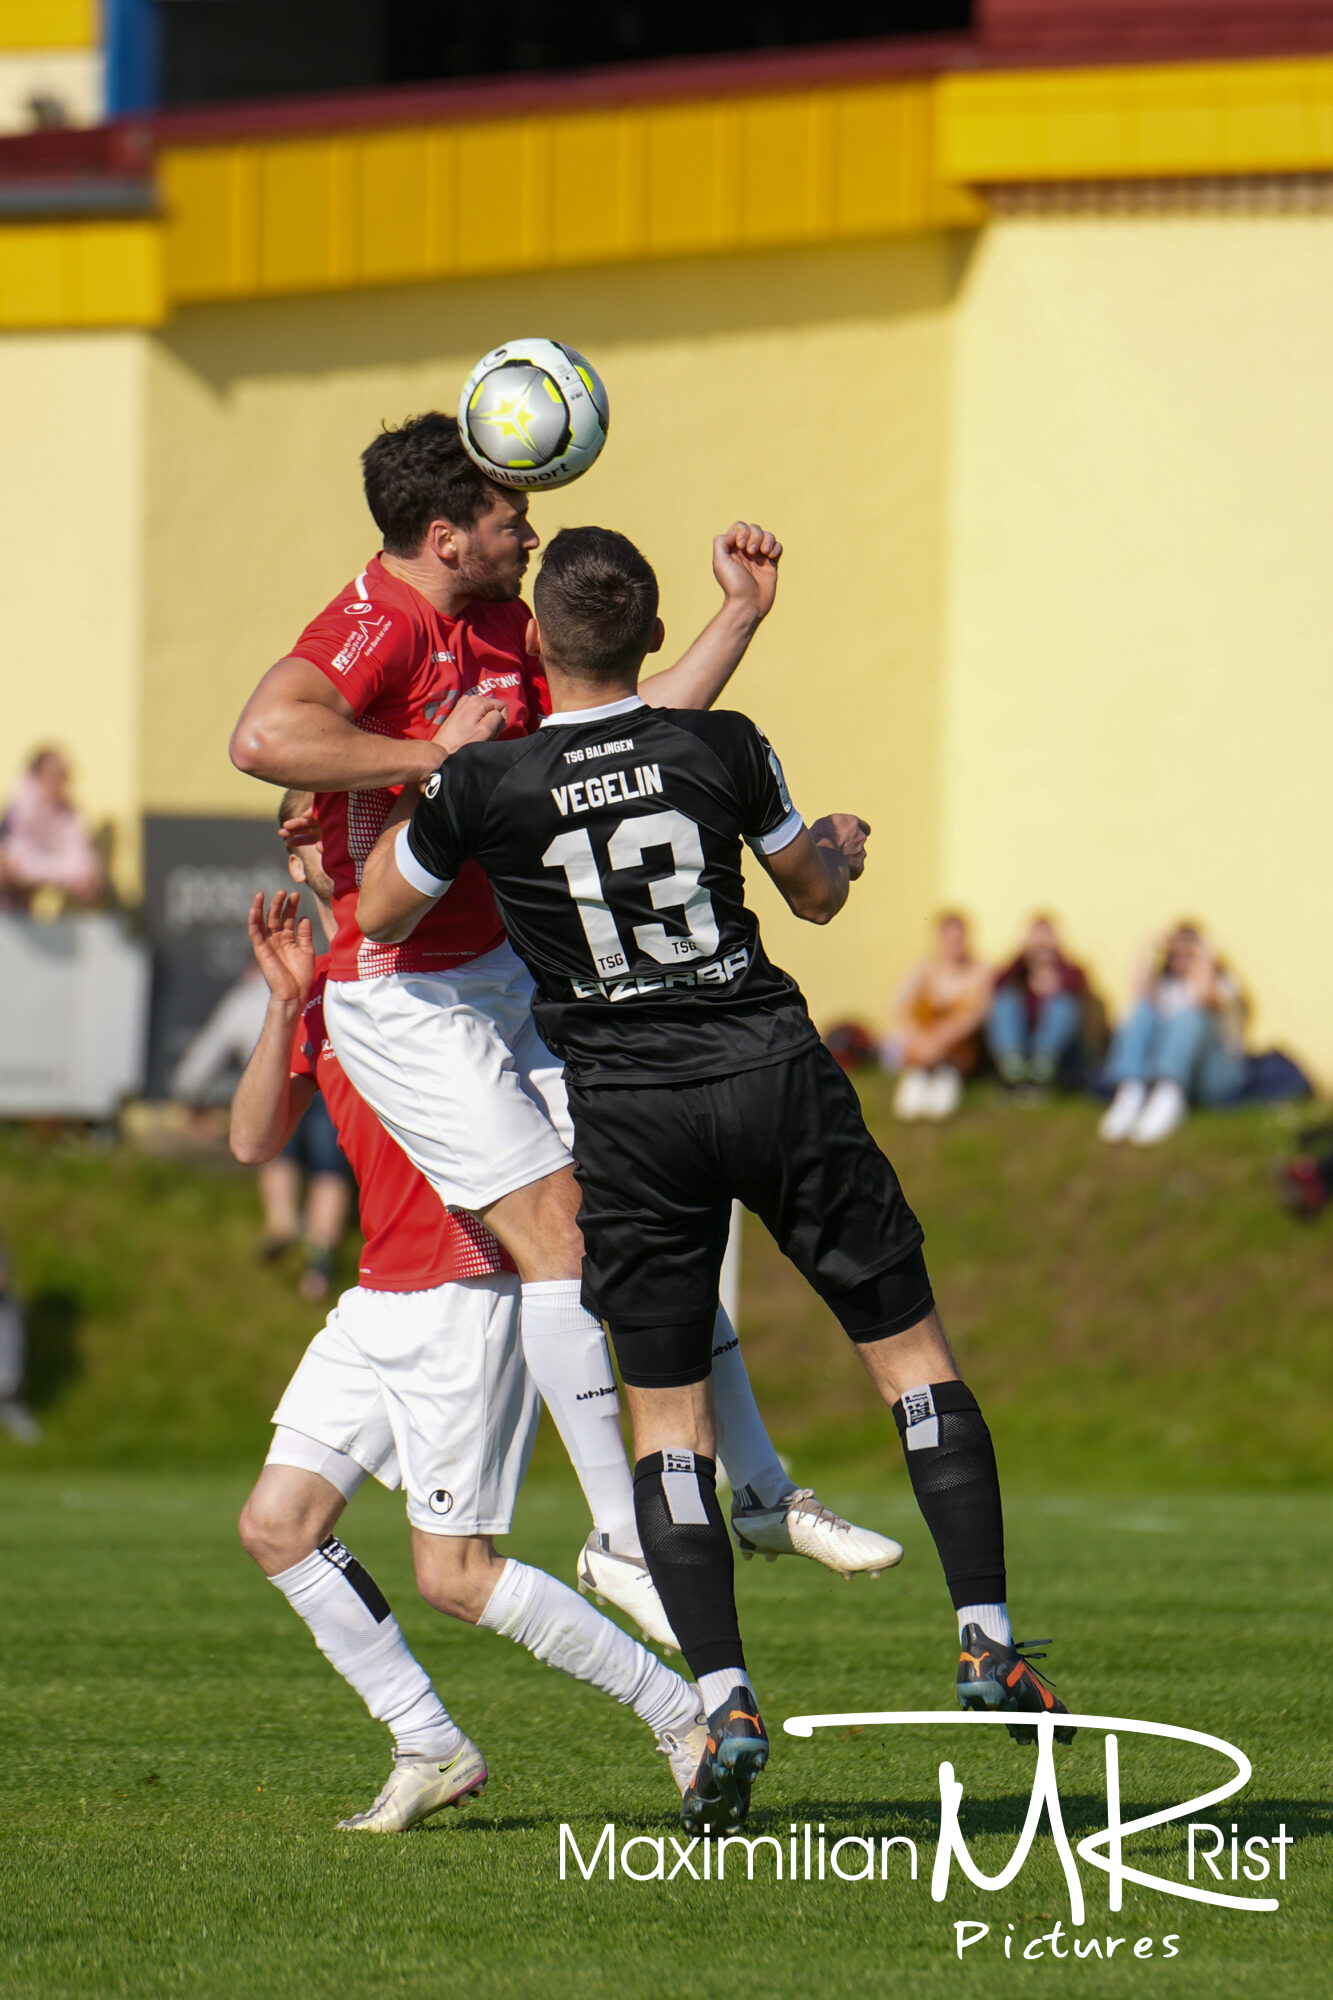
[437, 1033]
[418, 1381]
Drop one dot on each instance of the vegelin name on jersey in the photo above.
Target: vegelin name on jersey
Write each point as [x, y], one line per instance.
[613, 788]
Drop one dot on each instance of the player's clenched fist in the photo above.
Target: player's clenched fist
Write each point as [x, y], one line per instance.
[745, 563]
[846, 835]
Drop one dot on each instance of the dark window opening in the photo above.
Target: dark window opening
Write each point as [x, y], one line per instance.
[214, 51]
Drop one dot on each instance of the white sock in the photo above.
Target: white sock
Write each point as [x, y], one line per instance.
[992, 1618]
[743, 1445]
[565, 1350]
[556, 1626]
[715, 1688]
[360, 1638]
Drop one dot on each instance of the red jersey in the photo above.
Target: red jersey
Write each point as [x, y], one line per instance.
[402, 666]
[412, 1241]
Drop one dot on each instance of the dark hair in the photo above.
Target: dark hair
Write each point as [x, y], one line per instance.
[595, 598]
[420, 473]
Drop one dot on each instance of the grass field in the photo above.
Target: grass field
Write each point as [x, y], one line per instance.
[1149, 1335]
[177, 1752]
[1128, 1317]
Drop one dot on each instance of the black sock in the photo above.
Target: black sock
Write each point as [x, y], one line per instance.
[951, 1463]
[688, 1552]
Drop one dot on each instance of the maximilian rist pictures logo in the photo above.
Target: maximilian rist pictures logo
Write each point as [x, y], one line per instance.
[1213, 1853]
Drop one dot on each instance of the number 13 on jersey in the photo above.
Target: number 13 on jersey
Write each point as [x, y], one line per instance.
[681, 890]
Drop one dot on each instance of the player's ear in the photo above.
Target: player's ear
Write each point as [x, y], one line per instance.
[442, 542]
[658, 640]
[533, 640]
[296, 869]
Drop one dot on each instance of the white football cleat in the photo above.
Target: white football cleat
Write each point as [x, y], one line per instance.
[801, 1525]
[684, 1750]
[420, 1786]
[624, 1581]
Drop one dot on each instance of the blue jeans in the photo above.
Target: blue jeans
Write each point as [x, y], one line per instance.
[1183, 1048]
[1054, 1037]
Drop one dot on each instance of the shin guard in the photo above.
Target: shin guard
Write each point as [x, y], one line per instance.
[688, 1552]
[951, 1463]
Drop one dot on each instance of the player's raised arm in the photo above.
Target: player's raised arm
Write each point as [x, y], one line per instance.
[270, 1100]
[745, 563]
[298, 730]
[815, 870]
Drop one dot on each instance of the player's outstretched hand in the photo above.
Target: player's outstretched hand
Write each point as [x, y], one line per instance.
[474, 718]
[846, 835]
[745, 563]
[284, 948]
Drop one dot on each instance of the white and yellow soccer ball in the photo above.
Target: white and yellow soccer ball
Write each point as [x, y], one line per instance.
[533, 413]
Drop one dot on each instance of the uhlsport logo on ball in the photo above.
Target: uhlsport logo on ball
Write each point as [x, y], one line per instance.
[533, 413]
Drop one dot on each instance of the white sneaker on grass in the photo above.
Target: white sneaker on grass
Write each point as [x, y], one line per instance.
[801, 1525]
[943, 1093]
[1117, 1121]
[909, 1099]
[420, 1786]
[1166, 1108]
[624, 1581]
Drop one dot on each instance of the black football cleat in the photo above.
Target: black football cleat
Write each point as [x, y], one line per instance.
[995, 1676]
[736, 1752]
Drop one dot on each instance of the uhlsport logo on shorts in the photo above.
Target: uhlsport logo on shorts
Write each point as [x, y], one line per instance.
[441, 1501]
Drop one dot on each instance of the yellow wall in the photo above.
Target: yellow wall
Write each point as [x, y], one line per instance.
[1057, 607]
[807, 390]
[1140, 653]
[71, 527]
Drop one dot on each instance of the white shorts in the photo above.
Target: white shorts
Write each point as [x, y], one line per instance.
[453, 1066]
[427, 1390]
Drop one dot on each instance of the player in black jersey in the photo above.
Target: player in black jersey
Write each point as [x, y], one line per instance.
[612, 838]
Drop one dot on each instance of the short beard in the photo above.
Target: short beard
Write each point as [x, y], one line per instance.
[480, 581]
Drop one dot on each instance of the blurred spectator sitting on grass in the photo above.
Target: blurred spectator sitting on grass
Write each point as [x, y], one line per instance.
[1034, 1030]
[934, 1035]
[206, 1075]
[44, 843]
[1182, 1042]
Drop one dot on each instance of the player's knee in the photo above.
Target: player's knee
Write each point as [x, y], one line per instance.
[273, 1539]
[255, 1531]
[456, 1575]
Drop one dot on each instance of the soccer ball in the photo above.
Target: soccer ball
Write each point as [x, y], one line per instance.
[533, 413]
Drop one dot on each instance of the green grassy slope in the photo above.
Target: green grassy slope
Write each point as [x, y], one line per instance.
[176, 1752]
[1126, 1316]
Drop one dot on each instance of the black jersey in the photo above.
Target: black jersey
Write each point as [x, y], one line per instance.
[612, 838]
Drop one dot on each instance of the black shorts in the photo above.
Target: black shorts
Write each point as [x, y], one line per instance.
[659, 1168]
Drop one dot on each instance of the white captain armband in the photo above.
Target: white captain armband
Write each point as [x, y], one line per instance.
[412, 872]
[781, 836]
